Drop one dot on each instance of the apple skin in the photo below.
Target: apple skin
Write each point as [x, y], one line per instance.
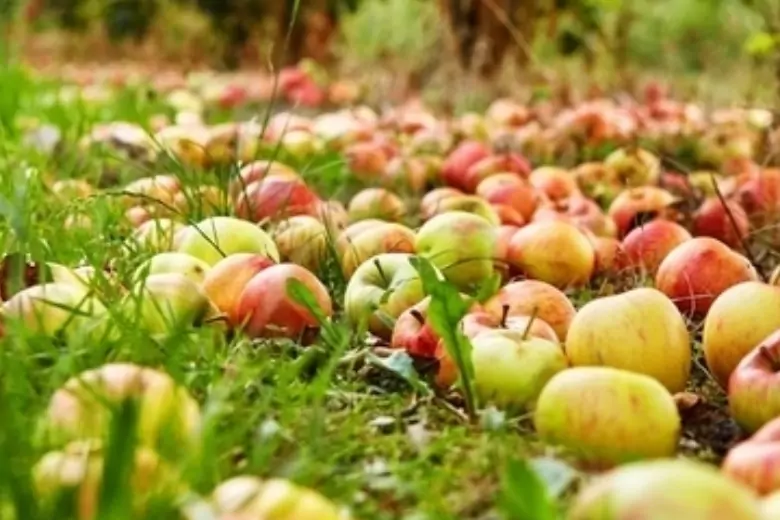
[601, 415]
[266, 310]
[248, 497]
[230, 235]
[302, 240]
[511, 190]
[501, 256]
[699, 270]
[226, 280]
[770, 506]
[166, 302]
[493, 164]
[461, 245]
[367, 160]
[645, 246]
[554, 183]
[712, 220]
[645, 200]
[739, 319]
[276, 198]
[580, 211]
[172, 262]
[358, 244]
[640, 331]
[455, 169]
[662, 490]
[386, 284]
[469, 204]
[529, 297]
[257, 171]
[756, 461]
[758, 193]
[376, 203]
[52, 308]
[510, 370]
[609, 254]
[752, 388]
[554, 252]
[168, 416]
[157, 234]
[429, 204]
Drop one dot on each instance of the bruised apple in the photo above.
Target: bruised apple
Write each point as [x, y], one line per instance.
[640, 331]
[601, 414]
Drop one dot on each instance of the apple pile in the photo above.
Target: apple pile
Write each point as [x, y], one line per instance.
[586, 285]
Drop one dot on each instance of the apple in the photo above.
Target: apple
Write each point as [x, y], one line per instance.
[169, 262]
[739, 319]
[157, 234]
[358, 244]
[226, 280]
[501, 255]
[185, 144]
[246, 497]
[601, 414]
[256, 171]
[461, 244]
[53, 308]
[554, 252]
[276, 198]
[493, 164]
[532, 297]
[756, 461]
[413, 332]
[752, 385]
[597, 181]
[333, 215]
[429, 204]
[71, 189]
[168, 417]
[580, 211]
[508, 216]
[770, 506]
[381, 289]
[266, 309]
[77, 471]
[217, 237]
[204, 200]
[697, 271]
[511, 367]
[455, 170]
[759, 194]
[158, 188]
[554, 183]
[366, 160]
[469, 204]
[510, 190]
[665, 489]
[376, 203]
[406, 174]
[634, 166]
[638, 206]
[166, 302]
[608, 254]
[712, 220]
[507, 112]
[645, 246]
[640, 331]
[302, 240]
[476, 322]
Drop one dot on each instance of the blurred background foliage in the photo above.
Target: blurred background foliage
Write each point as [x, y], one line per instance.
[731, 45]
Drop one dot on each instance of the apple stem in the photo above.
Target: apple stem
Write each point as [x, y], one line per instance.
[417, 315]
[504, 314]
[527, 330]
[381, 270]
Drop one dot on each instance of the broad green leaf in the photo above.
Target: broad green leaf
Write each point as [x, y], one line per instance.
[524, 495]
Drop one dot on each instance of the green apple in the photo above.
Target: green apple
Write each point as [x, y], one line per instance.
[665, 490]
[461, 244]
[166, 302]
[607, 416]
[217, 237]
[191, 267]
[640, 330]
[511, 369]
[381, 289]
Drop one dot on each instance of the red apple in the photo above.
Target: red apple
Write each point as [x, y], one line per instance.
[608, 254]
[510, 190]
[493, 164]
[639, 205]
[265, 309]
[257, 171]
[756, 461]
[712, 220]
[226, 280]
[645, 246]
[759, 194]
[754, 399]
[366, 160]
[577, 210]
[697, 271]
[455, 169]
[555, 183]
[276, 198]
